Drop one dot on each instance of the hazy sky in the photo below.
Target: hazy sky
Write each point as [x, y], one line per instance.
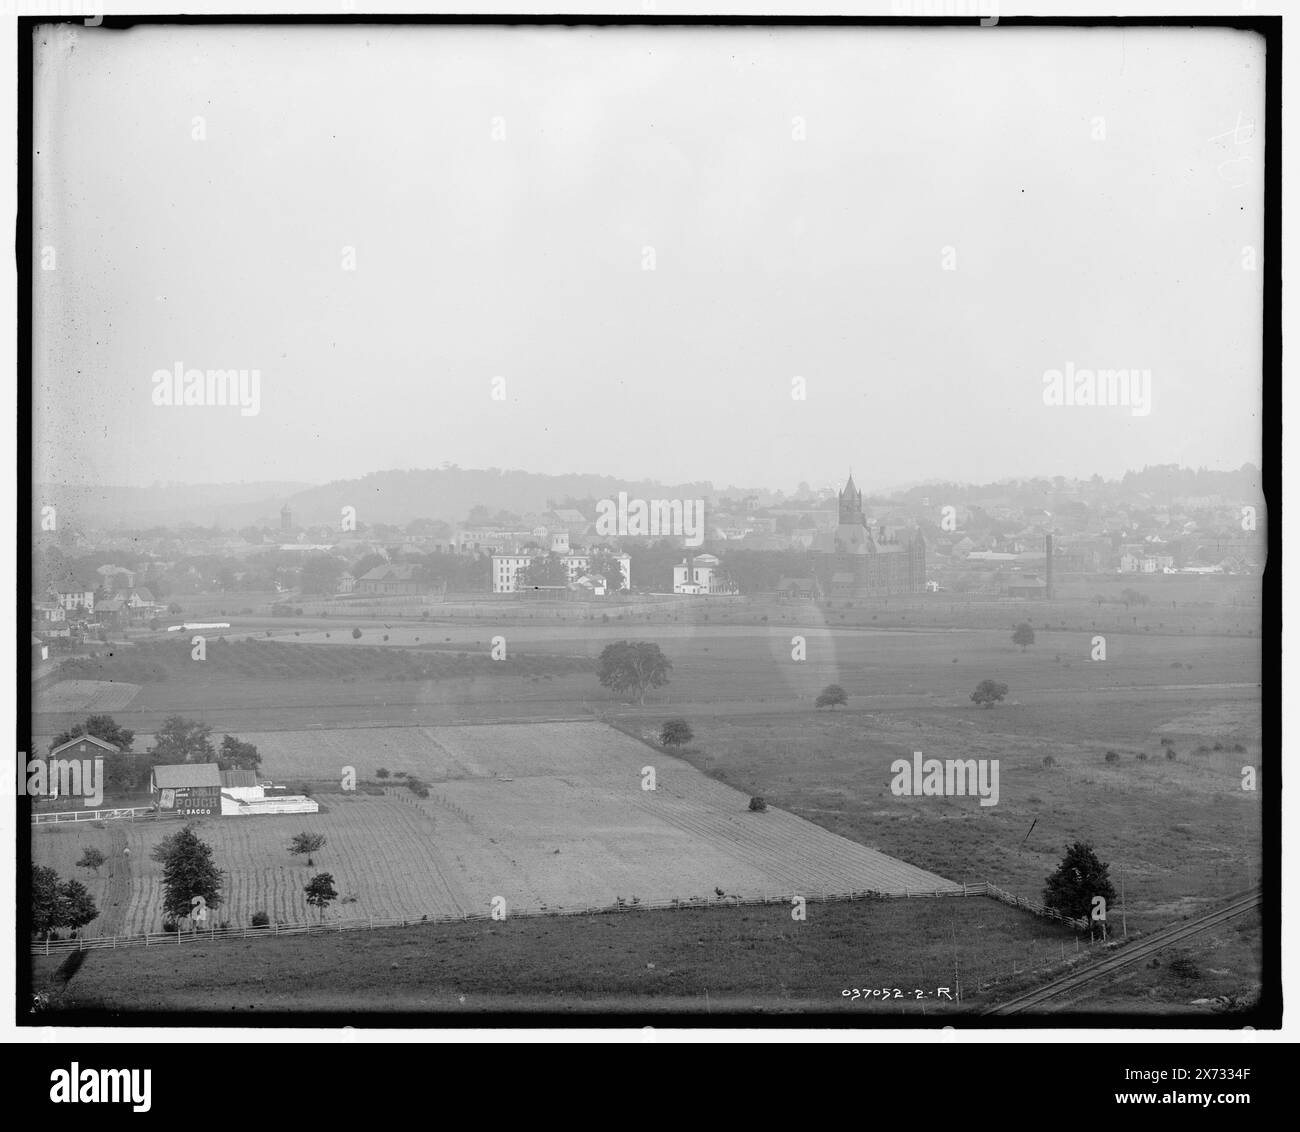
[500, 188]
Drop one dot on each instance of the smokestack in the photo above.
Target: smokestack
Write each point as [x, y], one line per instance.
[1049, 566]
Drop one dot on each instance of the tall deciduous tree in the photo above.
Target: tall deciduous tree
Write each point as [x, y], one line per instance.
[544, 570]
[633, 666]
[101, 727]
[604, 563]
[182, 740]
[235, 754]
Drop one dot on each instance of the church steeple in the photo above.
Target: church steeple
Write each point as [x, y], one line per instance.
[851, 505]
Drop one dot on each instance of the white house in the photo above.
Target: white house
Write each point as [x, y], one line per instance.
[701, 575]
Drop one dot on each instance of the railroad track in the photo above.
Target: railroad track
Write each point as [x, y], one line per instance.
[1132, 954]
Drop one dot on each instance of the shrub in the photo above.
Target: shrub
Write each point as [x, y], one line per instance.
[675, 732]
[1112, 756]
[1170, 754]
[832, 696]
[261, 920]
[356, 634]
[1048, 761]
[757, 804]
[1166, 742]
[988, 693]
[382, 772]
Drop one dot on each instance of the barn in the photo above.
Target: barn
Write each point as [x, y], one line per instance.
[187, 788]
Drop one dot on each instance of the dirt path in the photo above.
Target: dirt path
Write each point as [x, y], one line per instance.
[118, 894]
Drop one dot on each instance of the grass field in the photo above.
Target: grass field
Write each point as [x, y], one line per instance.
[542, 815]
[710, 960]
[1182, 830]
[716, 670]
[703, 961]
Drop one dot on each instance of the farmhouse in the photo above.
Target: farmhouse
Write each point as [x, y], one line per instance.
[391, 580]
[187, 788]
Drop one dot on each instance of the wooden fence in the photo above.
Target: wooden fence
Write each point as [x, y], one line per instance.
[1037, 909]
[126, 813]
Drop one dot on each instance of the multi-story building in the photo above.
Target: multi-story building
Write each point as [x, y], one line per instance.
[855, 562]
[506, 567]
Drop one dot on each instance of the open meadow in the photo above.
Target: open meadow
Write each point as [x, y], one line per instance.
[1141, 753]
[542, 816]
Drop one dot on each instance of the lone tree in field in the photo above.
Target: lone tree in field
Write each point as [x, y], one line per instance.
[633, 666]
[832, 696]
[91, 858]
[989, 692]
[1023, 636]
[305, 844]
[675, 733]
[1078, 878]
[189, 872]
[320, 892]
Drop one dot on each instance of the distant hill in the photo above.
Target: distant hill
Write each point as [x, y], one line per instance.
[225, 504]
[450, 493]
[380, 497]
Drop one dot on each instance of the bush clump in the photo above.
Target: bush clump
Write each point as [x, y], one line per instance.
[758, 804]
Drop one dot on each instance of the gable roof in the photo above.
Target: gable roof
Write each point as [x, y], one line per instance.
[86, 739]
[186, 774]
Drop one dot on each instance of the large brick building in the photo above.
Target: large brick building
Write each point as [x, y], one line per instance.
[855, 561]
